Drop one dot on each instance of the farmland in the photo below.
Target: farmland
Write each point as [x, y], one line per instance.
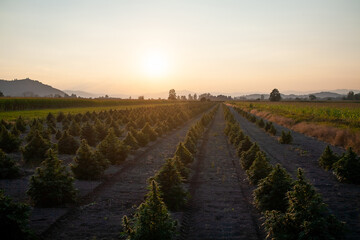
[205, 160]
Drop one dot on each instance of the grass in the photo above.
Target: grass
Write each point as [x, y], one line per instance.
[40, 113]
[338, 114]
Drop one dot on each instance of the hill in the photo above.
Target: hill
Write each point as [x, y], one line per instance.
[28, 88]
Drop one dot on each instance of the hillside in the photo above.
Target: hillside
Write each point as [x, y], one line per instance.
[28, 88]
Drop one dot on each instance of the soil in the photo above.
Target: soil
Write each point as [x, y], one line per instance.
[221, 204]
[100, 215]
[342, 199]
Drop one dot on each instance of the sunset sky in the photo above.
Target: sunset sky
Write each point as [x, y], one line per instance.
[137, 47]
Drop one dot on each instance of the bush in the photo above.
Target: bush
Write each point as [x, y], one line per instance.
[184, 171]
[244, 145]
[51, 185]
[14, 219]
[149, 132]
[238, 139]
[271, 191]
[170, 185]
[151, 221]
[259, 169]
[131, 141]
[260, 123]
[184, 155]
[247, 158]
[20, 124]
[112, 148]
[285, 138]
[88, 133]
[272, 130]
[35, 150]
[190, 145]
[328, 158]
[74, 129]
[67, 144]
[8, 142]
[88, 165]
[8, 167]
[101, 130]
[140, 137]
[306, 217]
[347, 169]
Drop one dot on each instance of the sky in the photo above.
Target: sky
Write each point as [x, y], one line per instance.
[136, 47]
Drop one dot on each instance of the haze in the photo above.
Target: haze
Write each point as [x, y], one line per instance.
[138, 47]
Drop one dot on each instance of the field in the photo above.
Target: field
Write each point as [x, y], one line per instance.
[205, 160]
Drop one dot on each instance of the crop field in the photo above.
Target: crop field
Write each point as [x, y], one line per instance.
[195, 170]
[339, 114]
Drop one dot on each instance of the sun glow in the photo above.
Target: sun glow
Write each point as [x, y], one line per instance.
[155, 64]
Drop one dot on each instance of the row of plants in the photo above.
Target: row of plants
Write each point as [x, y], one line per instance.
[291, 209]
[345, 167]
[52, 184]
[285, 138]
[152, 219]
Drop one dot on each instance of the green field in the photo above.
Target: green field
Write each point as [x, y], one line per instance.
[59, 105]
[339, 114]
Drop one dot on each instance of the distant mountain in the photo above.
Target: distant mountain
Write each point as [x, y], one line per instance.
[83, 94]
[28, 88]
[319, 95]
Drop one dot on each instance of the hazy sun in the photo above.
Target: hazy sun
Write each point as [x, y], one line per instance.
[155, 64]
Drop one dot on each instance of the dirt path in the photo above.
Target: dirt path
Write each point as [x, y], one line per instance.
[343, 199]
[101, 217]
[220, 207]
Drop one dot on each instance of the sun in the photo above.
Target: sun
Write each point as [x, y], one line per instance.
[155, 64]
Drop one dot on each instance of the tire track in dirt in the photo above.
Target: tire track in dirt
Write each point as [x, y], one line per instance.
[343, 199]
[100, 216]
[220, 207]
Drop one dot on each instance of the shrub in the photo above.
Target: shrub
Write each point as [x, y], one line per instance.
[20, 124]
[184, 171]
[131, 141]
[247, 158]
[36, 149]
[8, 167]
[74, 129]
[60, 117]
[58, 134]
[151, 220]
[244, 145]
[140, 137]
[260, 123]
[88, 165]
[14, 131]
[149, 132]
[170, 185]
[67, 144]
[272, 130]
[328, 158]
[190, 145]
[184, 155]
[347, 169]
[271, 191]
[101, 130]
[238, 139]
[88, 133]
[285, 138]
[51, 185]
[259, 169]
[8, 142]
[14, 219]
[112, 148]
[306, 217]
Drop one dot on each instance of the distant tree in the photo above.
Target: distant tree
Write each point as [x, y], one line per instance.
[1, 94]
[262, 97]
[172, 94]
[183, 98]
[195, 96]
[203, 99]
[275, 95]
[312, 97]
[350, 95]
[141, 97]
[190, 97]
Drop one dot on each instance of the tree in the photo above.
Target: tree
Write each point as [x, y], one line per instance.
[172, 94]
[244, 145]
[112, 148]
[286, 138]
[1, 94]
[35, 150]
[328, 158]
[170, 185]
[271, 191]
[184, 155]
[131, 142]
[51, 185]
[195, 97]
[247, 158]
[306, 217]
[152, 220]
[347, 169]
[149, 132]
[14, 219]
[350, 95]
[88, 133]
[67, 144]
[88, 165]
[8, 167]
[275, 95]
[312, 97]
[8, 141]
[259, 169]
